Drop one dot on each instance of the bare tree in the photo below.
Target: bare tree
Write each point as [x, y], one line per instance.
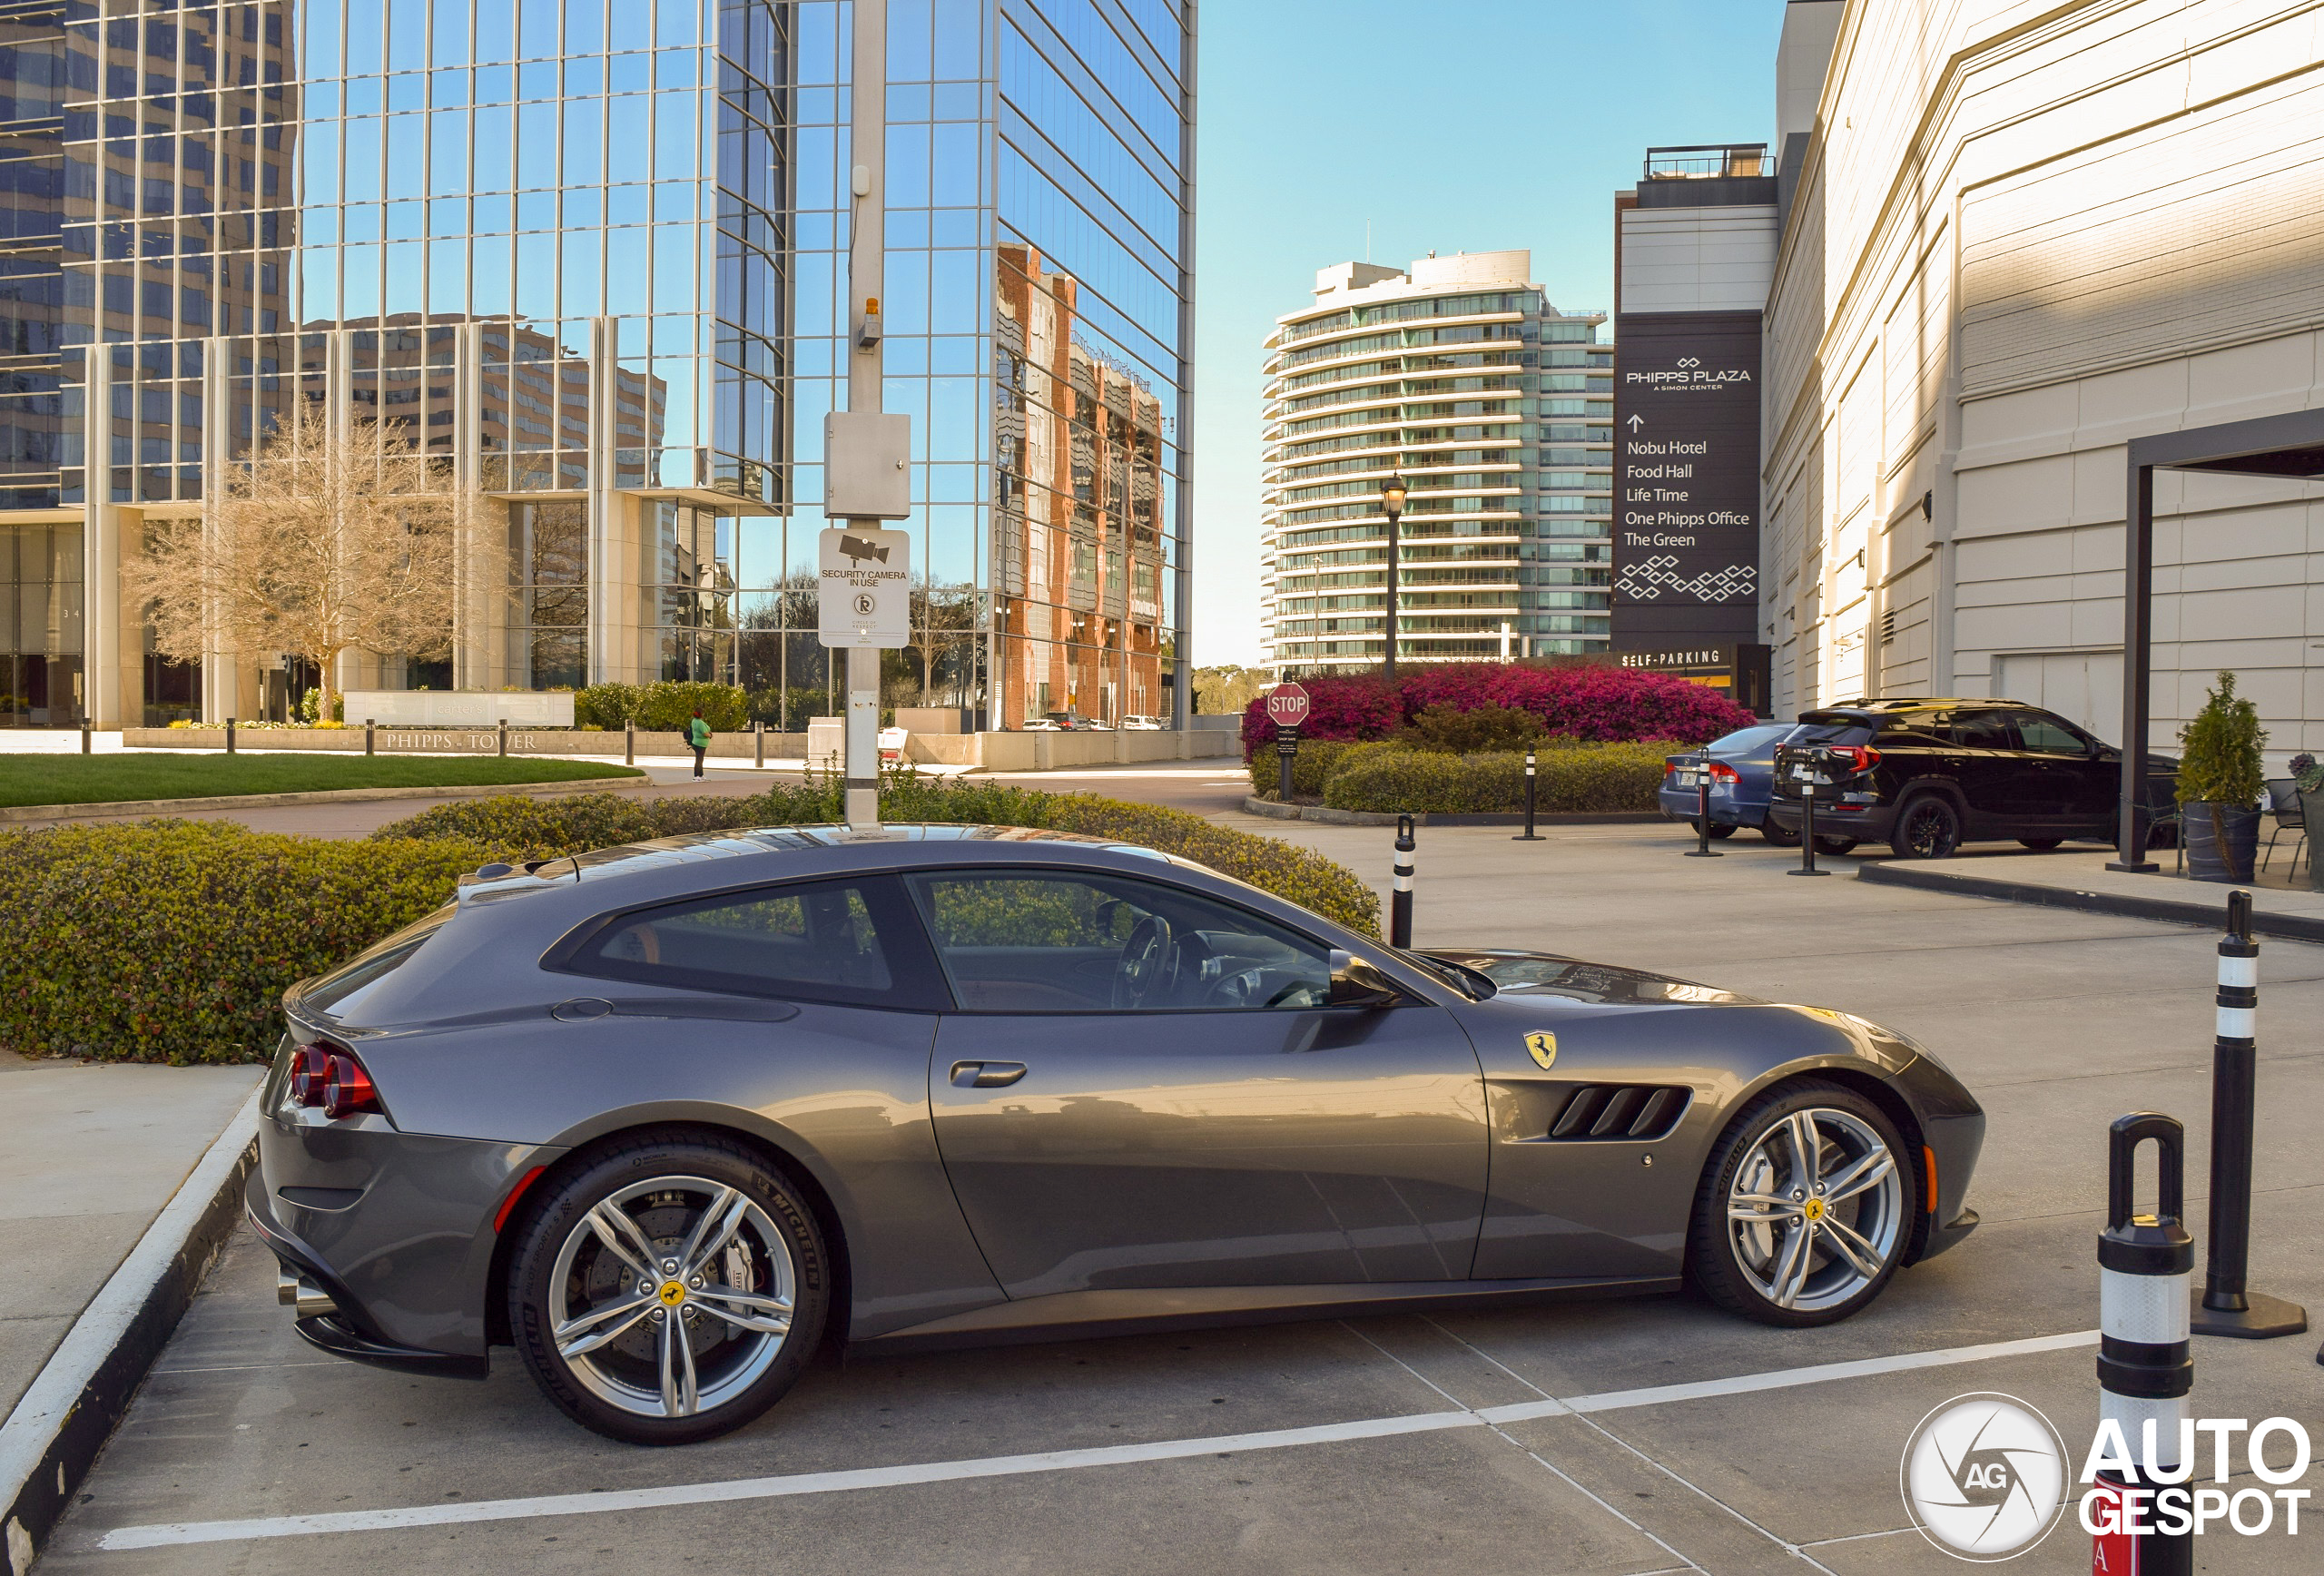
[320, 542]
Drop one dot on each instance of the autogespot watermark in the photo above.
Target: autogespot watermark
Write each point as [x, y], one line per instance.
[1985, 1478]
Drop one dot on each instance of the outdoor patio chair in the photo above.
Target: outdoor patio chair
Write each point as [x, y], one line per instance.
[2283, 808]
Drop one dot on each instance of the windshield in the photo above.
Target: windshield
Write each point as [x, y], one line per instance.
[1473, 983]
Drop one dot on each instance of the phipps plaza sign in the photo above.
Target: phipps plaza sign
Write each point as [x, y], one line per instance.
[1686, 478]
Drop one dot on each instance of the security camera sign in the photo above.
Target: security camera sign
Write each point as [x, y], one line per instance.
[864, 581]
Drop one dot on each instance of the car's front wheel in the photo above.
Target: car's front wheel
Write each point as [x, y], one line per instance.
[1928, 827]
[1781, 836]
[1803, 1211]
[669, 1290]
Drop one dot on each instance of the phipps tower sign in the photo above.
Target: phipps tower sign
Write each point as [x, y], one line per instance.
[1686, 478]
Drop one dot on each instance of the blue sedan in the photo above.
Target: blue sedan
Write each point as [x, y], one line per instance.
[1742, 775]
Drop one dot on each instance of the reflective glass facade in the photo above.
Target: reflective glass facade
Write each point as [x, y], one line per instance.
[1497, 412]
[592, 252]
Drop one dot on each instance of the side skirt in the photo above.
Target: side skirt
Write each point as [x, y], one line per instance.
[1096, 1315]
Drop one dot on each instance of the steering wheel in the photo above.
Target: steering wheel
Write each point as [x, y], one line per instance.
[1148, 970]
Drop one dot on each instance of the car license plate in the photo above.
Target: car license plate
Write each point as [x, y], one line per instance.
[1802, 774]
[1690, 778]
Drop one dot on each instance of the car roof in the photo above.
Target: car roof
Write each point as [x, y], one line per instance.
[1918, 703]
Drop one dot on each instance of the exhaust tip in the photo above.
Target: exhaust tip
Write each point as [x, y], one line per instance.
[294, 1290]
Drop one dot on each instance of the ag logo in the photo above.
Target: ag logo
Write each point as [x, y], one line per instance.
[1542, 1047]
[1985, 1477]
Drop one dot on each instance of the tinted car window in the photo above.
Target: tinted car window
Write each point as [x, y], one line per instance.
[2048, 736]
[342, 992]
[1831, 731]
[1980, 730]
[1022, 942]
[824, 941]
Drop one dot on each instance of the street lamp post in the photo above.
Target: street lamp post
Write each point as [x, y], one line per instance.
[1392, 504]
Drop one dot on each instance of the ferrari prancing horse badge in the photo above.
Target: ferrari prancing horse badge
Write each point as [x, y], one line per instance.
[1544, 1045]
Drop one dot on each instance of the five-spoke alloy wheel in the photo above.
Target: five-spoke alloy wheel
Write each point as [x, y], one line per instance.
[1801, 1218]
[668, 1292]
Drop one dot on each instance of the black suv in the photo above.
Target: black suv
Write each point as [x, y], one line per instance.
[1928, 775]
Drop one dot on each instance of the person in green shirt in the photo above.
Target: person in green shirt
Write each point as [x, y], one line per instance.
[698, 736]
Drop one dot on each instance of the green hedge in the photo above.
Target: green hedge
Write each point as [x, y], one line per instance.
[173, 940]
[1311, 763]
[1579, 778]
[533, 828]
[667, 706]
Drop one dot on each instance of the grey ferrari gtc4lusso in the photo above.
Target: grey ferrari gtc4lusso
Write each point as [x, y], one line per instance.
[663, 1118]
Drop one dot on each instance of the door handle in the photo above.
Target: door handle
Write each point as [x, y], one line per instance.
[986, 1075]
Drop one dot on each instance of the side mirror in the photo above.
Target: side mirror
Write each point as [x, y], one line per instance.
[1356, 983]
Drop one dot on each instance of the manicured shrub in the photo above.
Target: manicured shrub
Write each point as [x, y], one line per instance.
[667, 706]
[1585, 778]
[173, 940]
[1611, 704]
[1458, 731]
[1315, 761]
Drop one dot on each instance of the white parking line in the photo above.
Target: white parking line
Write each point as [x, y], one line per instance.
[169, 1534]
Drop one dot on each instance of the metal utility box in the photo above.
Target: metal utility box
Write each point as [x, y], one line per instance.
[867, 466]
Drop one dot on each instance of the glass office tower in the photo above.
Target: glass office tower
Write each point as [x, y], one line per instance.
[590, 252]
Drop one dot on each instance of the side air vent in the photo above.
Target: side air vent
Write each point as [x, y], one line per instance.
[1627, 1112]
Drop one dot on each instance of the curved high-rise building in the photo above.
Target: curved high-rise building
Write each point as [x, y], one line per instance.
[1496, 410]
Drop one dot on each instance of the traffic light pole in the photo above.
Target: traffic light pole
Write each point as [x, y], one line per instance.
[866, 363]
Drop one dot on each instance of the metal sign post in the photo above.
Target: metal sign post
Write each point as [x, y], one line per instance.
[865, 606]
[1287, 707]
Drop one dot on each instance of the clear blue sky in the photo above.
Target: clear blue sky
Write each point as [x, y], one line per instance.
[1461, 126]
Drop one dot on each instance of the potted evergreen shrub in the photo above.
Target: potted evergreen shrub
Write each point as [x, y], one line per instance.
[2308, 776]
[2220, 782]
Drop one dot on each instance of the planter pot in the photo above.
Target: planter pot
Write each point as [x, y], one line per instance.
[2222, 840]
[2311, 814]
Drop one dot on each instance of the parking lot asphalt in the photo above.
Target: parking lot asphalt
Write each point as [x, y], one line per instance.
[1488, 1442]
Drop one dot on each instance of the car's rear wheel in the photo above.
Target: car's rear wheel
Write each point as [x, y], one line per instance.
[1718, 829]
[2043, 844]
[1781, 836]
[1927, 827]
[668, 1291]
[1835, 844]
[1803, 1212]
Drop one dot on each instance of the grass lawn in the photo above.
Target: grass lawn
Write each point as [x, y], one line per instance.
[108, 779]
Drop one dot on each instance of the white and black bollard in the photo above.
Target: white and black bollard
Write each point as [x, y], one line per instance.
[1702, 849]
[2229, 1306]
[1399, 898]
[2146, 1265]
[1528, 834]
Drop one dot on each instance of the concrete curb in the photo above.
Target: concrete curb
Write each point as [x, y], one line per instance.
[2170, 910]
[83, 1389]
[1330, 817]
[131, 807]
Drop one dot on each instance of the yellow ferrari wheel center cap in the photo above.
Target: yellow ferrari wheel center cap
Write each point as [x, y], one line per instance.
[673, 1294]
[1814, 1209]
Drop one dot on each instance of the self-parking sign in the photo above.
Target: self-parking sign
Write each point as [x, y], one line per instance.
[865, 587]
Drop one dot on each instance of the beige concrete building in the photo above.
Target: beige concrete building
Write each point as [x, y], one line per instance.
[2017, 234]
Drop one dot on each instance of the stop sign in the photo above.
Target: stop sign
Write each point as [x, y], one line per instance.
[1287, 705]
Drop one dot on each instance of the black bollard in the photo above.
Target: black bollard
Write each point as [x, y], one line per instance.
[1400, 899]
[504, 736]
[370, 736]
[2229, 1307]
[84, 735]
[2143, 1370]
[1527, 835]
[629, 743]
[1806, 833]
[1702, 849]
[230, 736]
[758, 746]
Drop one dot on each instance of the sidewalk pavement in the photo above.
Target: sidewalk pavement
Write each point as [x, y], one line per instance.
[93, 1152]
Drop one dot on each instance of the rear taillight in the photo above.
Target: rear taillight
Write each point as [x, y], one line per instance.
[1722, 773]
[347, 1090]
[309, 1071]
[1859, 758]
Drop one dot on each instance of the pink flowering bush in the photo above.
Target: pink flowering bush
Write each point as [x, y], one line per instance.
[1605, 704]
